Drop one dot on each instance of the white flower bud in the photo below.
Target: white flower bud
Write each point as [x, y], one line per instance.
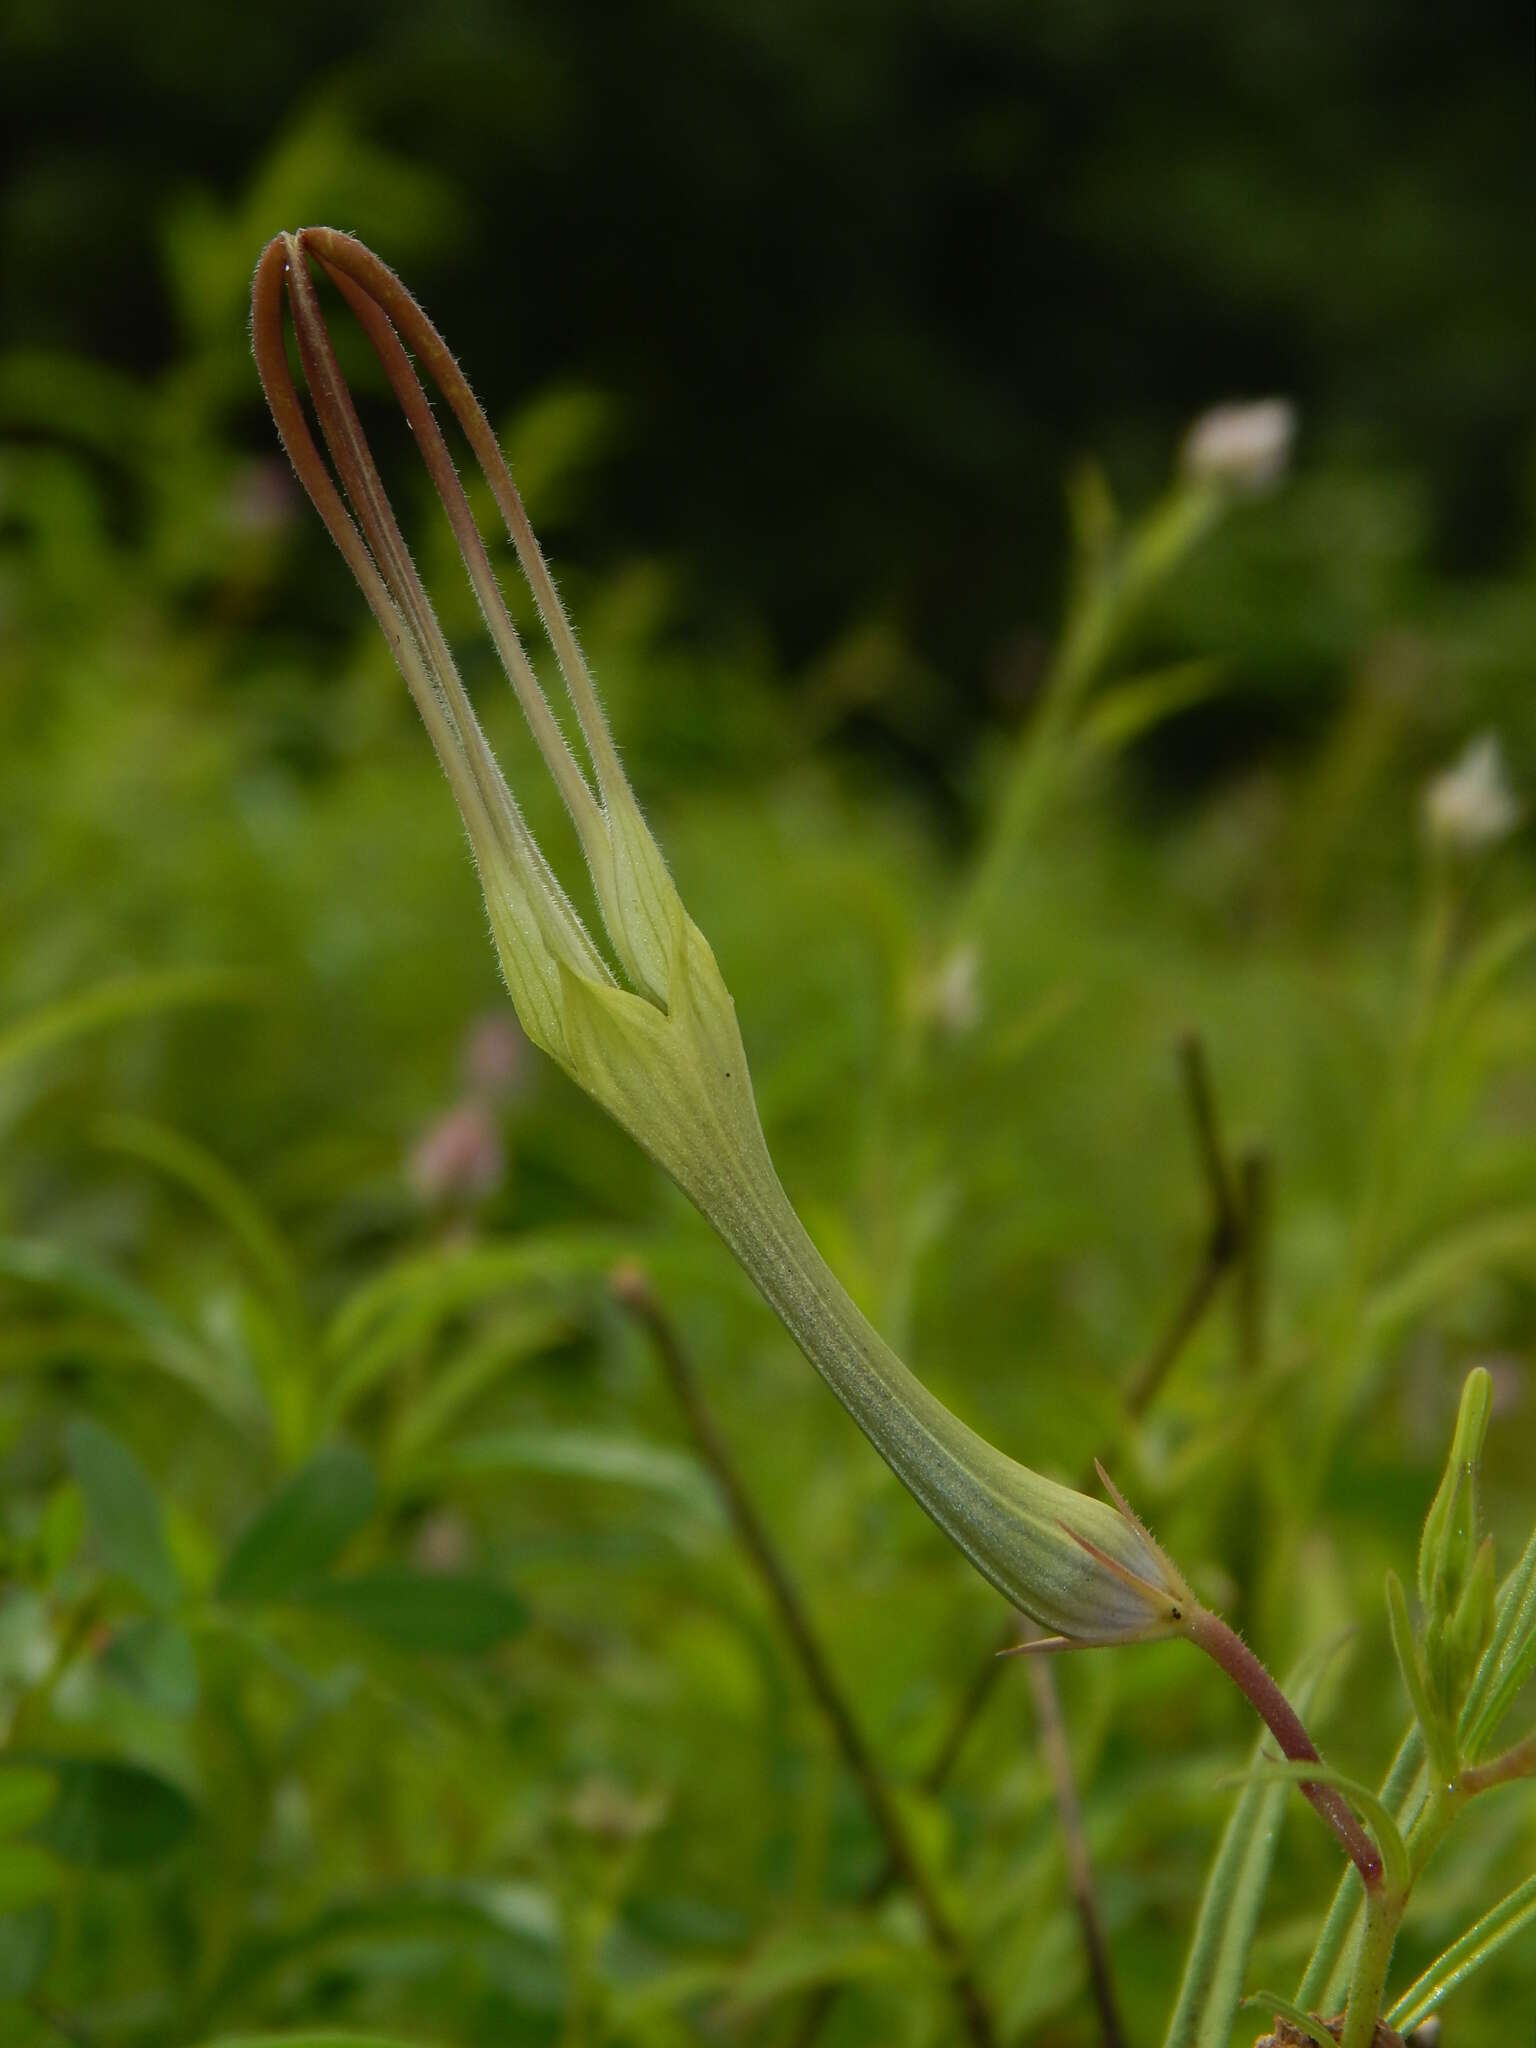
[1470, 805]
[1241, 447]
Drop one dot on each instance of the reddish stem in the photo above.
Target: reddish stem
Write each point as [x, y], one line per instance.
[1229, 1650]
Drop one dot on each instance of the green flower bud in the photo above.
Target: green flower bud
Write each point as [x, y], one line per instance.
[651, 1034]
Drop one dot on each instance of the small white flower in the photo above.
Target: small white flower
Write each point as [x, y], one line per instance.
[1470, 805]
[1244, 447]
[954, 994]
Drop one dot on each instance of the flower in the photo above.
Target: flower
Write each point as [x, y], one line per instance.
[648, 1028]
[1245, 447]
[1470, 805]
[459, 1157]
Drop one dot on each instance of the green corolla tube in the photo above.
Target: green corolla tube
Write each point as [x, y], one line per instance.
[648, 1028]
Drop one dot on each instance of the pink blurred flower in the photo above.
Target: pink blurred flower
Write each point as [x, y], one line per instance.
[460, 1157]
[495, 1056]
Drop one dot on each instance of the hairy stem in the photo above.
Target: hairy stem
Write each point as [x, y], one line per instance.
[1367, 1989]
[1228, 1649]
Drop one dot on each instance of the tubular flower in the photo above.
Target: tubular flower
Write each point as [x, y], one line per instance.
[648, 1027]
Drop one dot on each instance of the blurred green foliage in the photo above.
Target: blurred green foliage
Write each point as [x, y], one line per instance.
[373, 1652]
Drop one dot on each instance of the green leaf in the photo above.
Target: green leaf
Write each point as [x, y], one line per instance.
[1304, 2022]
[124, 1511]
[446, 1282]
[154, 1660]
[1402, 1794]
[303, 1528]
[25, 1796]
[138, 995]
[1389, 1839]
[1234, 1892]
[1477, 1946]
[1124, 711]
[1508, 1661]
[1493, 1243]
[221, 1192]
[575, 1454]
[156, 1334]
[112, 1815]
[1415, 1679]
[517, 1334]
[450, 1615]
[1450, 1536]
[519, 1919]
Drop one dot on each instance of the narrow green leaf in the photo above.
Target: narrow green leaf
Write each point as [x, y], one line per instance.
[574, 1454]
[220, 1191]
[138, 995]
[451, 1280]
[124, 1511]
[519, 1918]
[1403, 1794]
[1304, 2022]
[159, 1338]
[112, 1815]
[1415, 1680]
[1124, 711]
[25, 1796]
[1489, 1244]
[1508, 1661]
[1477, 1946]
[449, 1615]
[522, 1331]
[1450, 1534]
[1389, 1840]
[303, 1528]
[1234, 1892]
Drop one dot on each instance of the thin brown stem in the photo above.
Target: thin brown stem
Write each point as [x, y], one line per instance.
[1227, 1648]
[633, 1290]
[1069, 1813]
[1255, 1192]
[1519, 1762]
[1195, 1071]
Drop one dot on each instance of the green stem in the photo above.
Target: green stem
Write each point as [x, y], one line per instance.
[1367, 1990]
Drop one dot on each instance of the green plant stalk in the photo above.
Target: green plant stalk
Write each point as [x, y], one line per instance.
[1367, 1991]
[1104, 609]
